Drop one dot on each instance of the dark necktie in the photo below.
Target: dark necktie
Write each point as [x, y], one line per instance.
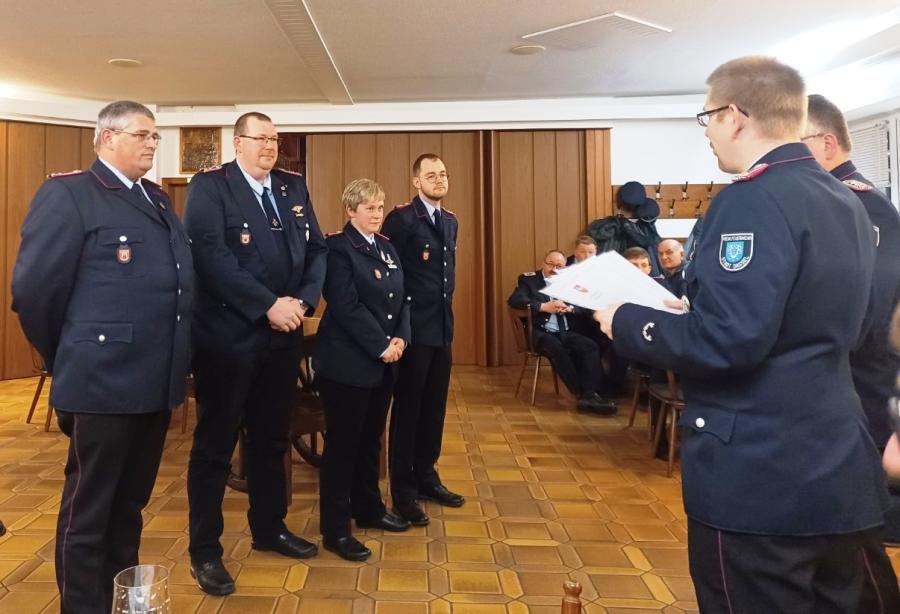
[438, 223]
[136, 188]
[274, 223]
[281, 240]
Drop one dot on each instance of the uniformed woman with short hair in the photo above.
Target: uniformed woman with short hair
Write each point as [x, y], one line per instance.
[362, 336]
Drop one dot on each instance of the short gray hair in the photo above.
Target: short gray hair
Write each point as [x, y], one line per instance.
[360, 191]
[116, 116]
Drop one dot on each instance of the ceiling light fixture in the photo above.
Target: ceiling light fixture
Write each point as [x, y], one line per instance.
[527, 49]
[124, 63]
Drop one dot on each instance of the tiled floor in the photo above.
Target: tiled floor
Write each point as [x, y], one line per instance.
[552, 495]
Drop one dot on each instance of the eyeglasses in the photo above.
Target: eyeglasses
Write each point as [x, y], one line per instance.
[433, 177]
[554, 265]
[703, 117]
[156, 137]
[812, 136]
[264, 140]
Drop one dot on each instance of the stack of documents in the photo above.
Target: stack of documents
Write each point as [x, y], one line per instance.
[607, 279]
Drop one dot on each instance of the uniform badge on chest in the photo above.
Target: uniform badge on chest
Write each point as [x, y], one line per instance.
[245, 235]
[123, 253]
[426, 253]
[377, 274]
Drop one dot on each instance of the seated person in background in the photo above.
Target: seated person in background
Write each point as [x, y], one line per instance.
[585, 247]
[575, 358]
[640, 258]
[671, 257]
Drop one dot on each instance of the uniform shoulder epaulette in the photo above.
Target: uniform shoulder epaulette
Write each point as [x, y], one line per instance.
[857, 186]
[402, 206]
[210, 169]
[381, 236]
[284, 170]
[529, 273]
[448, 211]
[333, 234]
[68, 174]
[754, 172]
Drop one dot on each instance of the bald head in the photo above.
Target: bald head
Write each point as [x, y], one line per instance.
[671, 254]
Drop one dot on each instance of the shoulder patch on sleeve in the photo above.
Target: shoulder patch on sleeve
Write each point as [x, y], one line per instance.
[211, 169]
[857, 186]
[68, 174]
[736, 250]
[529, 273]
[754, 172]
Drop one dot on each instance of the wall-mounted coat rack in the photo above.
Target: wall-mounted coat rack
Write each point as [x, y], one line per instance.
[679, 201]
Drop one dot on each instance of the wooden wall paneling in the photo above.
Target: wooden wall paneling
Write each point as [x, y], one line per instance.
[325, 176]
[177, 189]
[515, 208]
[425, 142]
[544, 190]
[88, 155]
[26, 156]
[359, 156]
[598, 174]
[392, 167]
[461, 152]
[62, 152]
[5, 281]
[570, 188]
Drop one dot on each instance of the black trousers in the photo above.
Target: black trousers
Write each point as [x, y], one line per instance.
[348, 477]
[739, 573]
[417, 419]
[112, 465]
[575, 358]
[256, 389]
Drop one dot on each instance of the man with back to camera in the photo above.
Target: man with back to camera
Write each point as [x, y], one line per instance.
[781, 484]
[425, 236]
[103, 286]
[260, 259]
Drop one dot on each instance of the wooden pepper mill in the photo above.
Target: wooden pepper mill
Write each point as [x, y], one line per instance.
[571, 603]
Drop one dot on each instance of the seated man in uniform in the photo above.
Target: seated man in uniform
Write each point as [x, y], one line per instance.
[585, 247]
[639, 257]
[671, 257]
[574, 357]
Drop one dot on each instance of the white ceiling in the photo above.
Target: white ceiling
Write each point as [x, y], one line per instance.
[207, 52]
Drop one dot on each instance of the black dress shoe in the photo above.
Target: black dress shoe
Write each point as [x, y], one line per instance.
[388, 522]
[595, 404]
[443, 496]
[287, 544]
[213, 578]
[347, 547]
[412, 513]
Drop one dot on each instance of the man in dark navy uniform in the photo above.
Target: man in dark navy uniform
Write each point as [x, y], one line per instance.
[260, 259]
[781, 483]
[424, 234]
[671, 259]
[574, 356]
[103, 287]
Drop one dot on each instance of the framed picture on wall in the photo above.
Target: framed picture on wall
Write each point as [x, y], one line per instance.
[200, 148]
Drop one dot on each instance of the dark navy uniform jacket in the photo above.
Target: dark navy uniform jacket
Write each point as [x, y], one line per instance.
[874, 364]
[366, 308]
[103, 286]
[528, 295]
[235, 255]
[775, 440]
[429, 269]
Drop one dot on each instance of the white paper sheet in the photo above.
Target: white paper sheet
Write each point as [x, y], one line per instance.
[606, 279]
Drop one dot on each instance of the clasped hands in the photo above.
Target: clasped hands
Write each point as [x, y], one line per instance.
[394, 350]
[556, 306]
[287, 314]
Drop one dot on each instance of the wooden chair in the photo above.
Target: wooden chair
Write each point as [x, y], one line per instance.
[571, 603]
[642, 383]
[671, 402]
[37, 362]
[186, 404]
[522, 326]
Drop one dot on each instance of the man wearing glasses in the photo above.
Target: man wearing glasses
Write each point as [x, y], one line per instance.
[782, 486]
[574, 356]
[424, 234]
[260, 260]
[103, 286]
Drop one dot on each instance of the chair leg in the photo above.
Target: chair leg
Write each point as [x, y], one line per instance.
[37, 396]
[673, 430]
[537, 370]
[521, 374]
[660, 426]
[184, 413]
[634, 402]
[49, 417]
[555, 380]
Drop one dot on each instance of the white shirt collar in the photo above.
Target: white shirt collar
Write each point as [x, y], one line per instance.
[256, 186]
[429, 206]
[128, 182]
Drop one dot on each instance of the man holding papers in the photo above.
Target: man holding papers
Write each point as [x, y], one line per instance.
[575, 358]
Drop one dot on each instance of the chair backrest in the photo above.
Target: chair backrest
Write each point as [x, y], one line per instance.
[672, 380]
[521, 323]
